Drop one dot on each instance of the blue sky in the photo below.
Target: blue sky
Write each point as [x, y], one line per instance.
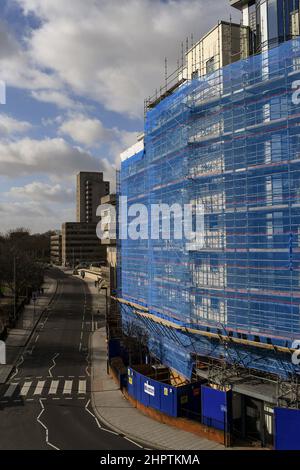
[77, 73]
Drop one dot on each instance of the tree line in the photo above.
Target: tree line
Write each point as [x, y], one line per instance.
[22, 263]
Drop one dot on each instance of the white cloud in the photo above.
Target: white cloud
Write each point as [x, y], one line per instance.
[109, 51]
[91, 132]
[57, 120]
[38, 191]
[53, 157]
[9, 125]
[60, 99]
[24, 209]
[35, 216]
[17, 68]
[113, 51]
[87, 131]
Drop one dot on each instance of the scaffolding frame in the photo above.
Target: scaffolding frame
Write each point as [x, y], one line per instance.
[229, 140]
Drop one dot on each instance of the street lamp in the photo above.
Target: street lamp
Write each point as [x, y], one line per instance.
[34, 300]
[15, 289]
[106, 326]
[106, 303]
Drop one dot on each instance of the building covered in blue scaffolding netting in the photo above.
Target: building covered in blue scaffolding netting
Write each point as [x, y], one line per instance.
[230, 143]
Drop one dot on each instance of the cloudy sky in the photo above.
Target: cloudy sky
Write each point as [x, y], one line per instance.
[77, 73]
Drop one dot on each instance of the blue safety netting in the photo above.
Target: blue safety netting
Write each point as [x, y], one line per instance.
[229, 141]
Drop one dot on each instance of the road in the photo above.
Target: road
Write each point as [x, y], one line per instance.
[46, 402]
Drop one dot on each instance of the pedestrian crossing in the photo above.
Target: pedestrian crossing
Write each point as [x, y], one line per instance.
[11, 390]
[53, 388]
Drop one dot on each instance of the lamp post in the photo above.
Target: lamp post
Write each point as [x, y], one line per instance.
[34, 300]
[15, 289]
[106, 326]
[106, 306]
[224, 410]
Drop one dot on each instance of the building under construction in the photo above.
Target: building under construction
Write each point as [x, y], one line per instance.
[228, 140]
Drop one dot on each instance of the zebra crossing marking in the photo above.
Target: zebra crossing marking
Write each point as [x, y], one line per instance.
[68, 387]
[11, 390]
[39, 387]
[53, 387]
[82, 387]
[25, 389]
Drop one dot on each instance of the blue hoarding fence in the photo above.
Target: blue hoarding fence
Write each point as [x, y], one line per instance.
[287, 425]
[114, 348]
[216, 408]
[166, 398]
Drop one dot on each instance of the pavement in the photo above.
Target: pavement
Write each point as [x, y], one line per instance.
[45, 404]
[118, 414]
[111, 408]
[18, 337]
[59, 395]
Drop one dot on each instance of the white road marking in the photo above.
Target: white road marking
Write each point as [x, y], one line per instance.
[39, 387]
[54, 364]
[97, 421]
[25, 389]
[68, 387]
[135, 443]
[11, 390]
[20, 361]
[82, 387]
[45, 427]
[53, 387]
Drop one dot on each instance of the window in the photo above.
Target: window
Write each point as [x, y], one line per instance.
[252, 17]
[278, 223]
[277, 189]
[214, 303]
[272, 20]
[274, 225]
[264, 25]
[210, 65]
[273, 149]
[274, 190]
[295, 23]
[280, 16]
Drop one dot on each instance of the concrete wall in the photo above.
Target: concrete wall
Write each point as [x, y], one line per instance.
[222, 44]
[80, 243]
[90, 189]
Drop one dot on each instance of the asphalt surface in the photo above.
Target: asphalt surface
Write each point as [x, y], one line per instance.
[46, 402]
